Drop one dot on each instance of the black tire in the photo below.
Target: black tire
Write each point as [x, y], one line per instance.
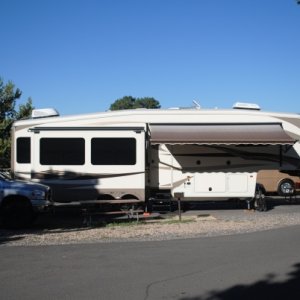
[286, 187]
[17, 214]
[260, 203]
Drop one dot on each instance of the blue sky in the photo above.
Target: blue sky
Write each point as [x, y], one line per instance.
[79, 56]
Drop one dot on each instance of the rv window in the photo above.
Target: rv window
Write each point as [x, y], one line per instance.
[23, 150]
[113, 151]
[62, 151]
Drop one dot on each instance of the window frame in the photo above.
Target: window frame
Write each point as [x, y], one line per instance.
[129, 158]
[47, 161]
[20, 154]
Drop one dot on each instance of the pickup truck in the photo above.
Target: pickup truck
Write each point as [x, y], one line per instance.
[21, 201]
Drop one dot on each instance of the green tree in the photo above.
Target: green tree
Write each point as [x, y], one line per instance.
[129, 102]
[8, 114]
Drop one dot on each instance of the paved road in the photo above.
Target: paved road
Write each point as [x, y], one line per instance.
[262, 265]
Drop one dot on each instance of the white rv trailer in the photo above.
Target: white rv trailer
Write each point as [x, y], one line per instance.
[194, 154]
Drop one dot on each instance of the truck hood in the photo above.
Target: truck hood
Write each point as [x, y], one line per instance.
[18, 184]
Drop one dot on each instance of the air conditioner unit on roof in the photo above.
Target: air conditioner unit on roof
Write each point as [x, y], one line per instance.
[44, 113]
[240, 105]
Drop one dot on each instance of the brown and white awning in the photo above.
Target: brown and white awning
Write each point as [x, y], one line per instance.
[233, 133]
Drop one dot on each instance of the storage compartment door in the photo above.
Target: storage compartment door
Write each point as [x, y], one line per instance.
[237, 183]
[210, 183]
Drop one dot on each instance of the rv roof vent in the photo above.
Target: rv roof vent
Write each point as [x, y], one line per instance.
[240, 105]
[44, 113]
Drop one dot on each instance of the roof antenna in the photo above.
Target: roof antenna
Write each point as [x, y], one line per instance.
[197, 105]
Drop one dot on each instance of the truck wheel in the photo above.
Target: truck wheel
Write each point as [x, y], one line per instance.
[286, 187]
[17, 214]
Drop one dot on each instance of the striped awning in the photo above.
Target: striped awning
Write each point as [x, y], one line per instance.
[238, 133]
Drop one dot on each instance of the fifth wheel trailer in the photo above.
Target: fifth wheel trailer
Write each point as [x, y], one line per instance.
[199, 154]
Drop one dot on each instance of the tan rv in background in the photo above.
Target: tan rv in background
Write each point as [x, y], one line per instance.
[278, 183]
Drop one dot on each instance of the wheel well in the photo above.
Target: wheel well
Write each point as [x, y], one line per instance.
[286, 179]
[15, 198]
[105, 197]
[129, 196]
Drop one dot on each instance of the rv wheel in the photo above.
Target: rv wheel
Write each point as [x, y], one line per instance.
[286, 187]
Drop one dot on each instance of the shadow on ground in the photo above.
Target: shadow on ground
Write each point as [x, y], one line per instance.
[60, 220]
[70, 219]
[232, 204]
[266, 288]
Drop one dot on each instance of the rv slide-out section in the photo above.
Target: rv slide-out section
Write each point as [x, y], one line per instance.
[186, 171]
[84, 163]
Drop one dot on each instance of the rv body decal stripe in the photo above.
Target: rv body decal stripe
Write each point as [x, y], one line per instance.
[76, 176]
[217, 168]
[261, 156]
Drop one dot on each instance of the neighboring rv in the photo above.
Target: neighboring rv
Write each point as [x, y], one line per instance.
[192, 154]
[275, 182]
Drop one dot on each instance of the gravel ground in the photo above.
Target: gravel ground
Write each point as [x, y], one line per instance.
[68, 228]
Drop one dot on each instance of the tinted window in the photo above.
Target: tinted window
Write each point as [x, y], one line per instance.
[23, 150]
[62, 151]
[113, 151]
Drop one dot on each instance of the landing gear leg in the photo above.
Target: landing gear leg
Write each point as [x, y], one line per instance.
[248, 204]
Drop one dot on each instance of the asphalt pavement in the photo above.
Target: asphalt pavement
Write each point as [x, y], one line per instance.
[260, 265]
